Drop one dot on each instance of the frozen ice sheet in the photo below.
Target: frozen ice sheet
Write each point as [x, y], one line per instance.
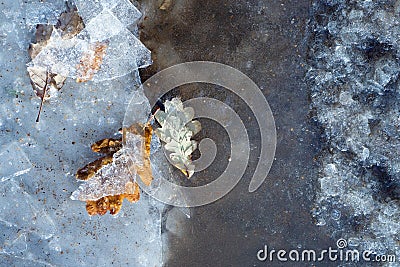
[14, 162]
[43, 12]
[19, 209]
[57, 147]
[124, 10]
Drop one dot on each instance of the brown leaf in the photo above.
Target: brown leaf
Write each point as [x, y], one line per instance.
[113, 203]
[42, 82]
[42, 36]
[107, 146]
[90, 62]
[90, 169]
[145, 172]
[70, 23]
[104, 204]
[132, 192]
[146, 131]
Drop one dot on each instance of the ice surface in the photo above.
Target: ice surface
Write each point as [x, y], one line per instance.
[16, 246]
[124, 10]
[354, 76]
[14, 162]
[57, 147]
[19, 209]
[43, 12]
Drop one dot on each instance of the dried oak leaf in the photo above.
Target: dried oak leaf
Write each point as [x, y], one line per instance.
[90, 62]
[115, 170]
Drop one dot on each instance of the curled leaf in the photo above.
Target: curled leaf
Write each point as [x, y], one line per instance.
[69, 22]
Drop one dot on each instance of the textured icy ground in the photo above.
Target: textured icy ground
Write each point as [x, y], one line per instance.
[40, 224]
[354, 75]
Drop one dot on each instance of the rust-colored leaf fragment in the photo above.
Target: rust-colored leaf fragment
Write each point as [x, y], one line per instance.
[146, 131]
[104, 204]
[107, 146]
[145, 172]
[132, 192]
[91, 62]
[90, 169]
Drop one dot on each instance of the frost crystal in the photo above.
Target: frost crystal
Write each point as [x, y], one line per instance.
[354, 78]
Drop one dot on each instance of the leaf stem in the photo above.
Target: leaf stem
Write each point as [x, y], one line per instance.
[44, 94]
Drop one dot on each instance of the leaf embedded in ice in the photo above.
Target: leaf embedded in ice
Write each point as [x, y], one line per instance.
[143, 169]
[177, 129]
[69, 22]
[92, 168]
[79, 53]
[107, 146]
[42, 36]
[44, 84]
[43, 81]
[112, 178]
